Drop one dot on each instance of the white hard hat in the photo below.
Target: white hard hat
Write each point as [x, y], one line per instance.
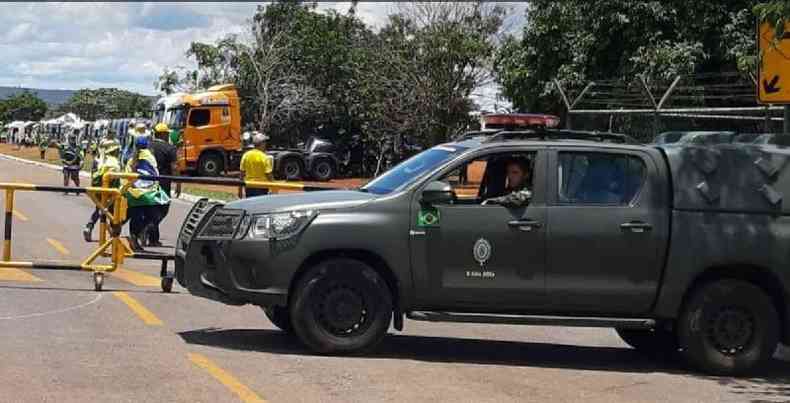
[259, 138]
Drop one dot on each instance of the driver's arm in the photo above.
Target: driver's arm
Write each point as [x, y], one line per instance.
[519, 198]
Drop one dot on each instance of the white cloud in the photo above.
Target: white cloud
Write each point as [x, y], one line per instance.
[125, 45]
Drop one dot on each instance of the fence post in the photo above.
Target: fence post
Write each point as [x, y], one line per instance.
[9, 217]
[565, 101]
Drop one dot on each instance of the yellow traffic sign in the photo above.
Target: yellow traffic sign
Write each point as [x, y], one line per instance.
[773, 85]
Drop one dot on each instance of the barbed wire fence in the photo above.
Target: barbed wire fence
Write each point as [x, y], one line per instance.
[645, 108]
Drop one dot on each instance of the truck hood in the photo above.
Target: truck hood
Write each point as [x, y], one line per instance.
[320, 200]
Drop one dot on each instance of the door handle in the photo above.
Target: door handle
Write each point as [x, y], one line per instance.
[209, 140]
[525, 225]
[636, 226]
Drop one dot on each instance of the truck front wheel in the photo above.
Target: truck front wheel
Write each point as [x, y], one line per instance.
[279, 317]
[211, 164]
[728, 327]
[341, 306]
[649, 341]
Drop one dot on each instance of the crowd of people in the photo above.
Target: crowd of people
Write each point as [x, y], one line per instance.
[149, 152]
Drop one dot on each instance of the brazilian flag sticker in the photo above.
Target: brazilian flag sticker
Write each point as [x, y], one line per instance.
[428, 217]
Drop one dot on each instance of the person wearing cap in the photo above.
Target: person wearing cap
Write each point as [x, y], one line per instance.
[138, 131]
[107, 161]
[144, 196]
[165, 155]
[71, 157]
[257, 166]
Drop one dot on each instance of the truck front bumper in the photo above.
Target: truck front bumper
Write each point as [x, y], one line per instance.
[234, 272]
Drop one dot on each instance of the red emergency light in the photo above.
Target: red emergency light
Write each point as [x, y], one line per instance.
[520, 120]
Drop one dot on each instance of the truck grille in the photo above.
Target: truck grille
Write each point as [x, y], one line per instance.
[190, 226]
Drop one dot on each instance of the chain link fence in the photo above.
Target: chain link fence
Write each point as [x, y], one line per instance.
[643, 109]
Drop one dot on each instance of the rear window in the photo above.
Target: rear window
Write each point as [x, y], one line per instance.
[599, 178]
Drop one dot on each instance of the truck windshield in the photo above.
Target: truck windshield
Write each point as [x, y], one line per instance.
[412, 169]
[178, 118]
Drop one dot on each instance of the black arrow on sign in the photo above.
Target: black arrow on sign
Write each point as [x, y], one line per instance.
[771, 87]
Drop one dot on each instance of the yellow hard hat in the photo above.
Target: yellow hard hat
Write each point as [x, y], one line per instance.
[161, 128]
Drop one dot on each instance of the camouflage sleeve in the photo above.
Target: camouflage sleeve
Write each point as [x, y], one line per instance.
[519, 198]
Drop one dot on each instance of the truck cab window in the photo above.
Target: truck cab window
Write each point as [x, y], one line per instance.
[487, 177]
[599, 178]
[199, 117]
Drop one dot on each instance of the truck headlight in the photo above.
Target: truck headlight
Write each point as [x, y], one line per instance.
[280, 226]
[223, 224]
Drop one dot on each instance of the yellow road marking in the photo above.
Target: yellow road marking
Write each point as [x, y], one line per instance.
[138, 279]
[19, 215]
[58, 246]
[142, 312]
[7, 274]
[242, 391]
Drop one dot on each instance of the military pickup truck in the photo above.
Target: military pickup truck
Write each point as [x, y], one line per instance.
[680, 248]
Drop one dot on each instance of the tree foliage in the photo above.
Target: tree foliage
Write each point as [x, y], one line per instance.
[106, 103]
[579, 41]
[24, 106]
[300, 71]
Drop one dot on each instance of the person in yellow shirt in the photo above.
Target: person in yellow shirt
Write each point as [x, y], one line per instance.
[257, 166]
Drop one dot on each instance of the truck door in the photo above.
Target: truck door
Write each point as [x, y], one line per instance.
[471, 255]
[608, 224]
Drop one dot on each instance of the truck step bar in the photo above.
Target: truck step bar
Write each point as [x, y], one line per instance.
[536, 320]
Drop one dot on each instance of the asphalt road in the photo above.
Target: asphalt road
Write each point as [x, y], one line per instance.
[63, 342]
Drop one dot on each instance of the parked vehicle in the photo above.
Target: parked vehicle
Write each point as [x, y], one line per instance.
[316, 159]
[679, 247]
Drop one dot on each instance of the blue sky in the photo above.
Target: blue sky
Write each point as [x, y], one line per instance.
[124, 45]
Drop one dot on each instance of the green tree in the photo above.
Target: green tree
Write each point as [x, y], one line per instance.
[579, 41]
[298, 70]
[107, 103]
[23, 106]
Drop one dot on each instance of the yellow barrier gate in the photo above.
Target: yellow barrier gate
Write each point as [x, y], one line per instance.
[103, 198]
[112, 204]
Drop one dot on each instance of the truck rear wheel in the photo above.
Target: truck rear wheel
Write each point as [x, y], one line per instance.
[728, 327]
[211, 164]
[649, 341]
[291, 169]
[341, 306]
[323, 170]
[279, 317]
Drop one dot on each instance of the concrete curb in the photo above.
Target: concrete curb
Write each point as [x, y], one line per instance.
[185, 198]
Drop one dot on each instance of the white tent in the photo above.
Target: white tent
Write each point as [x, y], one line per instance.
[17, 130]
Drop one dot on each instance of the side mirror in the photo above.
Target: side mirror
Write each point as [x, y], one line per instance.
[437, 192]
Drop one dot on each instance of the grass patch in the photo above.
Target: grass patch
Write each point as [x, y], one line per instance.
[210, 193]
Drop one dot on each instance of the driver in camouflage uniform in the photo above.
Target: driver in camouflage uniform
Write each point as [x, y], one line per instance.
[517, 193]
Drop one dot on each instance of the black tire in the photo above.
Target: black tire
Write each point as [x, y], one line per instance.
[291, 169]
[211, 164]
[728, 327]
[650, 341]
[279, 317]
[167, 284]
[341, 306]
[323, 170]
